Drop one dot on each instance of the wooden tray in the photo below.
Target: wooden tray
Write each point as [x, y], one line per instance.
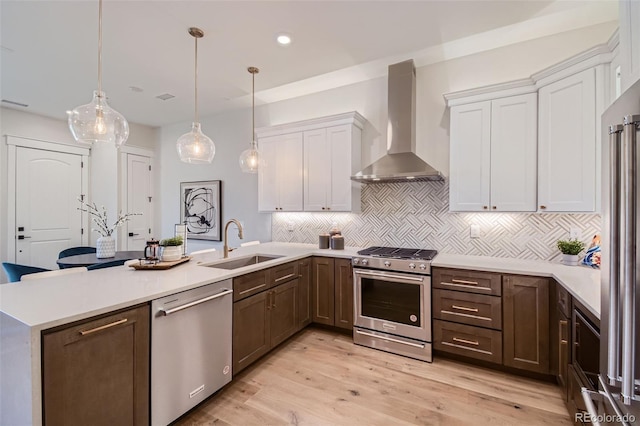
[160, 265]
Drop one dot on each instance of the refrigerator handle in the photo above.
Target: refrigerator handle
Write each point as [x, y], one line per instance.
[613, 359]
[628, 207]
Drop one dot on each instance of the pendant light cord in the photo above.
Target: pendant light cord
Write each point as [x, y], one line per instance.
[100, 48]
[196, 85]
[253, 107]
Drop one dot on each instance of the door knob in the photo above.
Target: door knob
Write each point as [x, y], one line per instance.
[22, 237]
[131, 234]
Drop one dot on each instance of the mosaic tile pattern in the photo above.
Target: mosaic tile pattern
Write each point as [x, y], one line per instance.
[417, 215]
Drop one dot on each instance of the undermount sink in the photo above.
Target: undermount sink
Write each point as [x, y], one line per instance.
[243, 261]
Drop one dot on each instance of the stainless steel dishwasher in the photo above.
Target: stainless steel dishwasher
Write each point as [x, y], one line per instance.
[190, 349]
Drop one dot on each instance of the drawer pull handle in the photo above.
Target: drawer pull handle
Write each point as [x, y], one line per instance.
[104, 327]
[468, 342]
[464, 282]
[286, 277]
[253, 288]
[464, 308]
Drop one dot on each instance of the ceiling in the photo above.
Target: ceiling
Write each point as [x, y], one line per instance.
[49, 48]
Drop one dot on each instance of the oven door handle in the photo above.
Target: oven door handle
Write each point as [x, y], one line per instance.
[391, 276]
[389, 339]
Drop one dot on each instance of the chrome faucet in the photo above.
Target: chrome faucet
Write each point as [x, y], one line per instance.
[226, 236]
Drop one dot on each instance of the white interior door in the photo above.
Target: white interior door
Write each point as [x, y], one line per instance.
[48, 185]
[139, 196]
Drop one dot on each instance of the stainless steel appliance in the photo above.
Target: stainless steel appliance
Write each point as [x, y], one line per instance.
[618, 399]
[393, 300]
[190, 349]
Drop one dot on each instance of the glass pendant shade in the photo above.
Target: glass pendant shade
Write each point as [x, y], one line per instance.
[249, 159]
[98, 122]
[195, 147]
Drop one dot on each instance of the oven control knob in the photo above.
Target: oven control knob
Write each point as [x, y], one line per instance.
[365, 261]
[387, 263]
[423, 266]
[356, 261]
[412, 266]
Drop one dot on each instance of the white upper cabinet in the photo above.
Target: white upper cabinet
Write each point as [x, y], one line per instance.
[567, 144]
[325, 154]
[493, 155]
[629, 42]
[328, 164]
[280, 173]
[470, 162]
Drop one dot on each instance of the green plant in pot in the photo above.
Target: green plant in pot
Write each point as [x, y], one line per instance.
[171, 249]
[570, 250]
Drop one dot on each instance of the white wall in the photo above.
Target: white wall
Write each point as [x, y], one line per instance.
[33, 126]
[231, 134]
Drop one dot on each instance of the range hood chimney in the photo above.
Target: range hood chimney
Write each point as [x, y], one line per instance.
[400, 164]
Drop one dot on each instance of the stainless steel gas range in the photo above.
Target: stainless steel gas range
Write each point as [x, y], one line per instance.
[393, 300]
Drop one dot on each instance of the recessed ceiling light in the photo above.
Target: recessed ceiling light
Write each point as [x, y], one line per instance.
[136, 89]
[165, 96]
[283, 39]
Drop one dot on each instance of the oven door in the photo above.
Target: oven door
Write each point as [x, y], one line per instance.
[393, 303]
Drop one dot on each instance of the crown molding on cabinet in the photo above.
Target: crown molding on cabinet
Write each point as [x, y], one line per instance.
[597, 55]
[493, 91]
[352, 117]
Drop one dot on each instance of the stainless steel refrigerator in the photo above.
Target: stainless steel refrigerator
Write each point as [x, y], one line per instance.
[618, 399]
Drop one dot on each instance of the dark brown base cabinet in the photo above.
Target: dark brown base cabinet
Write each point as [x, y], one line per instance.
[304, 293]
[332, 281]
[97, 372]
[269, 316]
[502, 319]
[525, 329]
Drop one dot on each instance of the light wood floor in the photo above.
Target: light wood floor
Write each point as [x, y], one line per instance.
[319, 377]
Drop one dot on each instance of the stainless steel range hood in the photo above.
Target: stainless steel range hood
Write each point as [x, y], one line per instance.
[400, 164]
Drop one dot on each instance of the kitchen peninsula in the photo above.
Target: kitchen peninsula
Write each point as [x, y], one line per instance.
[29, 308]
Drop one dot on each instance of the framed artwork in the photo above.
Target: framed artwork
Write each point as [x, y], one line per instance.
[200, 209]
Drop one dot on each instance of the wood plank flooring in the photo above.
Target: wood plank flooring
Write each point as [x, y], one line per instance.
[319, 377]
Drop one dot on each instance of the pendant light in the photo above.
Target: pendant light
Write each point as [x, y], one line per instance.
[250, 157]
[195, 147]
[97, 121]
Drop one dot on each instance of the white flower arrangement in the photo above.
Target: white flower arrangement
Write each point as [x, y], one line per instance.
[100, 218]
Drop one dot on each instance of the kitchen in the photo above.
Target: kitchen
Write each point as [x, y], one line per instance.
[391, 214]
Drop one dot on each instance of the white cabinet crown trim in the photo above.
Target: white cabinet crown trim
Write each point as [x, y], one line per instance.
[352, 117]
[597, 55]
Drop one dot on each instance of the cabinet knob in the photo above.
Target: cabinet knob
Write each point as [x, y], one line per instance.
[494, 207]
[543, 207]
[485, 207]
[323, 208]
[328, 208]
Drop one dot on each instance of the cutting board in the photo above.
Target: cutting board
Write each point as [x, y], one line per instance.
[160, 265]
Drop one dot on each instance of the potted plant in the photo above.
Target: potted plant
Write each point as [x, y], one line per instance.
[570, 250]
[171, 249]
[105, 245]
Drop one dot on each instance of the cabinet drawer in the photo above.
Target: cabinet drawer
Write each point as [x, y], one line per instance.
[467, 308]
[249, 284]
[469, 281]
[283, 273]
[466, 340]
[564, 300]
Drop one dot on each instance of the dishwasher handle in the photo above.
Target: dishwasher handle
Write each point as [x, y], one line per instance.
[167, 312]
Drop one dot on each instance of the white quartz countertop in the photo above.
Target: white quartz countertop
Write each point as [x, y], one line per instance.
[582, 282]
[49, 302]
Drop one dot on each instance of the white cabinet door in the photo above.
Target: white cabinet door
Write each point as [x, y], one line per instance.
[513, 153]
[341, 187]
[317, 167]
[289, 161]
[470, 151]
[630, 42]
[268, 198]
[567, 144]
[139, 195]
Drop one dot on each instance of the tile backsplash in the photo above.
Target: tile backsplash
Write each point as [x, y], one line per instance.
[417, 215]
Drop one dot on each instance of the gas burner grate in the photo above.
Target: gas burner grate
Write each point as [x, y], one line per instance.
[399, 253]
